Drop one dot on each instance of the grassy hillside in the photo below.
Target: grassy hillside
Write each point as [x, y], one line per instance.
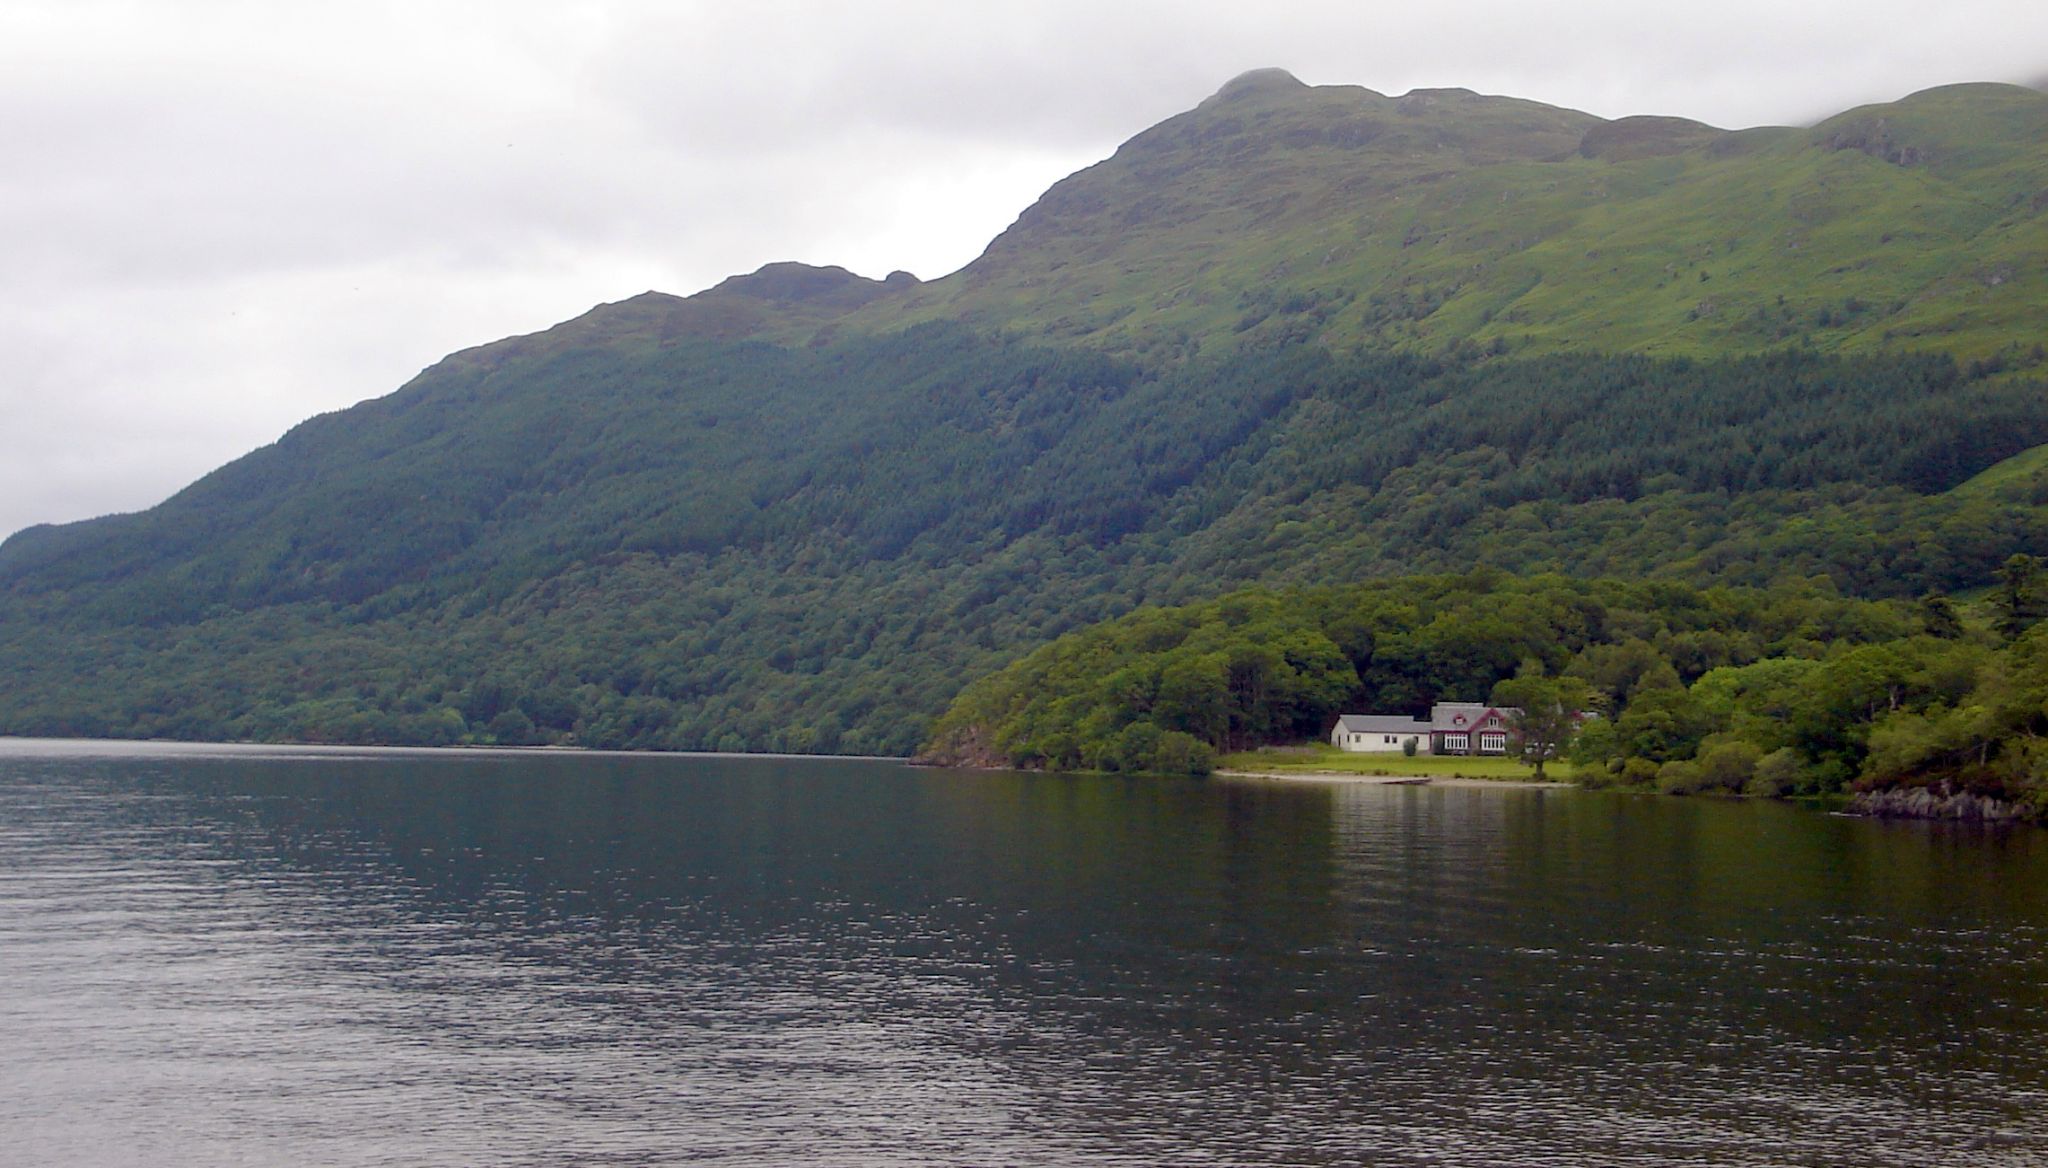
[1280, 211]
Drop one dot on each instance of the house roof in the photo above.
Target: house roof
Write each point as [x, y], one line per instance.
[1380, 724]
[1461, 717]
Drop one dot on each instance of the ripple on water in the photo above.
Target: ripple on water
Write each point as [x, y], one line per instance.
[420, 961]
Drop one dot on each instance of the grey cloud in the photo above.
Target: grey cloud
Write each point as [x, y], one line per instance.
[772, 78]
[741, 82]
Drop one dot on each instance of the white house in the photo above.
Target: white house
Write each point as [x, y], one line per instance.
[1451, 728]
[1375, 733]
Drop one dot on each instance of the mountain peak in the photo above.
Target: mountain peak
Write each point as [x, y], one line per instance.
[1278, 210]
[1258, 82]
[789, 282]
[1645, 136]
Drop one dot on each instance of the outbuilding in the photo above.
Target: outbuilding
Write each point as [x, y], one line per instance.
[1378, 733]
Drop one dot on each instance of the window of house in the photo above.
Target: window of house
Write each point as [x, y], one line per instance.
[1457, 742]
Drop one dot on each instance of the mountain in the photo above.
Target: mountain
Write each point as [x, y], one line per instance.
[1294, 335]
[1279, 211]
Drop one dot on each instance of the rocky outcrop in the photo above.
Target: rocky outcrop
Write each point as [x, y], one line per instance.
[1939, 801]
[1878, 139]
[967, 747]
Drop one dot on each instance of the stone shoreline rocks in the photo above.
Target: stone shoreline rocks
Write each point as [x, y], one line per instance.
[1938, 802]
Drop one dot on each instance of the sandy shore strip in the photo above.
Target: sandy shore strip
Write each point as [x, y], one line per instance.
[1389, 780]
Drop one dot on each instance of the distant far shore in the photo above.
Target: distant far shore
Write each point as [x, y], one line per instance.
[145, 746]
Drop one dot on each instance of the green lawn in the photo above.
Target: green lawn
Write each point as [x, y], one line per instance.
[1322, 758]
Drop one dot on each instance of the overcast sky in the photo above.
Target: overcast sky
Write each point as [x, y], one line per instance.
[220, 218]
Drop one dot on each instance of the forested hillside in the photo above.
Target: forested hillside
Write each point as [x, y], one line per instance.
[800, 510]
[745, 546]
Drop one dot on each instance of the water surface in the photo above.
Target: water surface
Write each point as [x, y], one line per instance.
[270, 956]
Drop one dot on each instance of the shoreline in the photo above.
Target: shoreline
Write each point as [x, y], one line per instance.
[1350, 777]
[36, 745]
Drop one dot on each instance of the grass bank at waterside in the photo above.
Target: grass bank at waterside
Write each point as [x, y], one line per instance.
[1323, 760]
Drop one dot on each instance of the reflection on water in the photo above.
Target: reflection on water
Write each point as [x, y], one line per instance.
[398, 958]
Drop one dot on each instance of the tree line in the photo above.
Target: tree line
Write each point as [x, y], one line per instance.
[1786, 690]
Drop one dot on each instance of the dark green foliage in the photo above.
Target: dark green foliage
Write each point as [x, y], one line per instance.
[1819, 694]
[1551, 708]
[1938, 617]
[2017, 601]
[1662, 725]
[1260, 667]
[1579, 428]
[1144, 691]
[1728, 766]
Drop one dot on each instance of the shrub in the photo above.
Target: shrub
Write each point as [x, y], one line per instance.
[1134, 749]
[1728, 764]
[1183, 754]
[1596, 776]
[1144, 747]
[1638, 772]
[1777, 774]
[1596, 743]
[1681, 778]
[512, 728]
